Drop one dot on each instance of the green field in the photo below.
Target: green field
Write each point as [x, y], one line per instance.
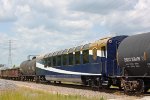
[29, 94]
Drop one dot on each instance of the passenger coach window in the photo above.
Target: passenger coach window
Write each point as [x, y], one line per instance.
[45, 62]
[59, 60]
[77, 57]
[103, 51]
[65, 59]
[94, 53]
[85, 56]
[54, 61]
[49, 61]
[70, 58]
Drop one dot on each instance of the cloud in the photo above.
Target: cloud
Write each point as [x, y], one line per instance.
[102, 6]
[121, 16]
[6, 11]
[42, 26]
[134, 21]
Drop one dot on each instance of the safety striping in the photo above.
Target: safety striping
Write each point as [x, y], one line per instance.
[52, 69]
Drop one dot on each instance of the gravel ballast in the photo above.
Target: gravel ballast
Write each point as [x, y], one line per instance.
[8, 84]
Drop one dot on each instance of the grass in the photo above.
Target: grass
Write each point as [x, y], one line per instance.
[29, 94]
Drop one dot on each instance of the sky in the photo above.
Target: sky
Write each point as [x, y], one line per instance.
[38, 27]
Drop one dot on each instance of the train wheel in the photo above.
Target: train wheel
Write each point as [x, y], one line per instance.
[96, 84]
[55, 82]
[99, 83]
[22, 78]
[59, 82]
[37, 79]
[134, 87]
[84, 80]
[93, 84]
[140, 87]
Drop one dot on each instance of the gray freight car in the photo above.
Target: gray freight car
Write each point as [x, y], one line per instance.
[134, 59]
[134, 55]
[27, 69]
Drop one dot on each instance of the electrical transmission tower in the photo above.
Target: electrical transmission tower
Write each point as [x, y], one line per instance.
[10, 55]
[8, 47]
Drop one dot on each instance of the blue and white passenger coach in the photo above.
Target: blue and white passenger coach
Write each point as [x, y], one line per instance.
[91, 64]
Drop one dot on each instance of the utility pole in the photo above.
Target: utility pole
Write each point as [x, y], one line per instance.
[10, 56]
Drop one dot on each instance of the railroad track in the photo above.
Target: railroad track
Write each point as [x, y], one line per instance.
[79, 86]
[112, 90]
[76, 89]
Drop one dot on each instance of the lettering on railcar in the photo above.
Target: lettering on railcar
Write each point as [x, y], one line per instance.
[132, 59]
[132, 65]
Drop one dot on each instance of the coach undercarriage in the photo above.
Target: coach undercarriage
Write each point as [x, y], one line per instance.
[130, 85]
[135, 84]
[97, 82]
[33, 78]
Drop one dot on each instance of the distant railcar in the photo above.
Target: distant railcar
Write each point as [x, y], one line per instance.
[4, 73]
[13, 73]
[28, 70]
